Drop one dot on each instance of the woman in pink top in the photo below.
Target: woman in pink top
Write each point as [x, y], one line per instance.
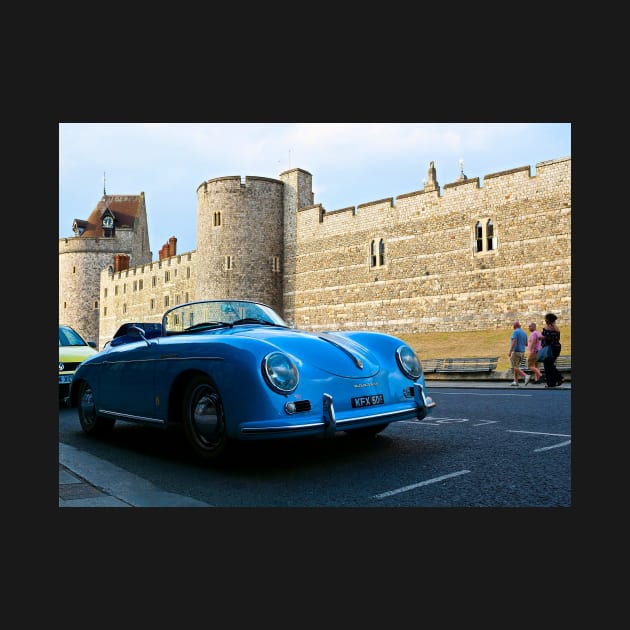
[533, 346]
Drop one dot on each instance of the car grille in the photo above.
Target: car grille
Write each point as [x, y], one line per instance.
[302, 405]
[70, 367]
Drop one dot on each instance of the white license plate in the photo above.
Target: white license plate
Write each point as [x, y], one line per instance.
[65, 378]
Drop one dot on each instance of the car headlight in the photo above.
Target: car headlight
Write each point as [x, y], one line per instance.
[408, 362]
[280, 372]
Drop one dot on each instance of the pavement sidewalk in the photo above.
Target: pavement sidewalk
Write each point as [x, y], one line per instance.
[88, 481]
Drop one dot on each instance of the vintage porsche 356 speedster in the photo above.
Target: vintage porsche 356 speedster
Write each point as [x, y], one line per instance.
[234, 370]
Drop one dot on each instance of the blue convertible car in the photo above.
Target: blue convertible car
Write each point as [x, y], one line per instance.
[234, 370]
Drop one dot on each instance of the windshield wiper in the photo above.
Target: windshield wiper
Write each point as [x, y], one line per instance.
[207, 325]
[253, 320]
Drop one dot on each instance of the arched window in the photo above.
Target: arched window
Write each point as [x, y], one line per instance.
[490, 235]
[377, 253]
[478, 237]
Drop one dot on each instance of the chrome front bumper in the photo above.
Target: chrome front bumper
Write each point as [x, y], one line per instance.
[330, 423]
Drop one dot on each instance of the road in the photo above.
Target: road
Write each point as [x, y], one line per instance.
[481, 447]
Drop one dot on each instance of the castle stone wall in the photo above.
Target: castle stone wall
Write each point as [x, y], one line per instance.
[144, 292]
[432, 280]
[313, 265]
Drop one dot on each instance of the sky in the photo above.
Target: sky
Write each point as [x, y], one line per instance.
[351, 163]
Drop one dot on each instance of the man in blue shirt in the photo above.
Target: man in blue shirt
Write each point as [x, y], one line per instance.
[518, 343]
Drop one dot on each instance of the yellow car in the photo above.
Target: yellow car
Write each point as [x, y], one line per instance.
[73, 349]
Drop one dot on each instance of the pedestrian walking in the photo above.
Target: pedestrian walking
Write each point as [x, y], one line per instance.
[518, 343]
[533, 346]
[551, 337]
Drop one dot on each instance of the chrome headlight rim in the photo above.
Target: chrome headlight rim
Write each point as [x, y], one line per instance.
[408, 362]
[280, 372]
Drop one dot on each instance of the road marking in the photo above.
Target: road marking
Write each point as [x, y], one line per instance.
[437, 421]
[546, 448]
[540, 433]
[510, 393]
[418, 485]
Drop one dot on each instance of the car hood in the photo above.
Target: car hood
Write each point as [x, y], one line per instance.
[75, 354]
[327, 351]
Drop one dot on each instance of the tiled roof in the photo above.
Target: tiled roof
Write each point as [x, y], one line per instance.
[125, 209]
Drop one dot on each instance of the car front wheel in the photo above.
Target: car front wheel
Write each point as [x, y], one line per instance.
[204, 420]
[91, 422]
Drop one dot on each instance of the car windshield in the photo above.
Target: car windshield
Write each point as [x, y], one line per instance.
[209, 314]
[69, 337]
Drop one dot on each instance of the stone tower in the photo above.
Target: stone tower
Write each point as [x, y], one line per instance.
[240, 239]
[298, 193]
[118, 225]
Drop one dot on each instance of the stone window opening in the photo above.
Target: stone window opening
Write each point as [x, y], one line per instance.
[377, 253]
[485, 239]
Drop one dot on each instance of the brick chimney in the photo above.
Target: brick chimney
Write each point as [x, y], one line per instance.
[121, 262]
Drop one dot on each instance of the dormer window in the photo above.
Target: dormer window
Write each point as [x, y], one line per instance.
[77, 229]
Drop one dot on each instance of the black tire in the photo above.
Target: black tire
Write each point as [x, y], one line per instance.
[204, 419]
[91, 422]
[366, 432]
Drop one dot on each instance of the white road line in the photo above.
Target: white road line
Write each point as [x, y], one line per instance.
[546, 448]
[540, 433]
[418, 485]
[510, 393]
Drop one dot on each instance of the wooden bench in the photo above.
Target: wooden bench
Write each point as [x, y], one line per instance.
[430, 365]
[563, 363]
[467, 364]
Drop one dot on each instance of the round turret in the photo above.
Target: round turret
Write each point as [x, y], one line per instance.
[240, 239]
